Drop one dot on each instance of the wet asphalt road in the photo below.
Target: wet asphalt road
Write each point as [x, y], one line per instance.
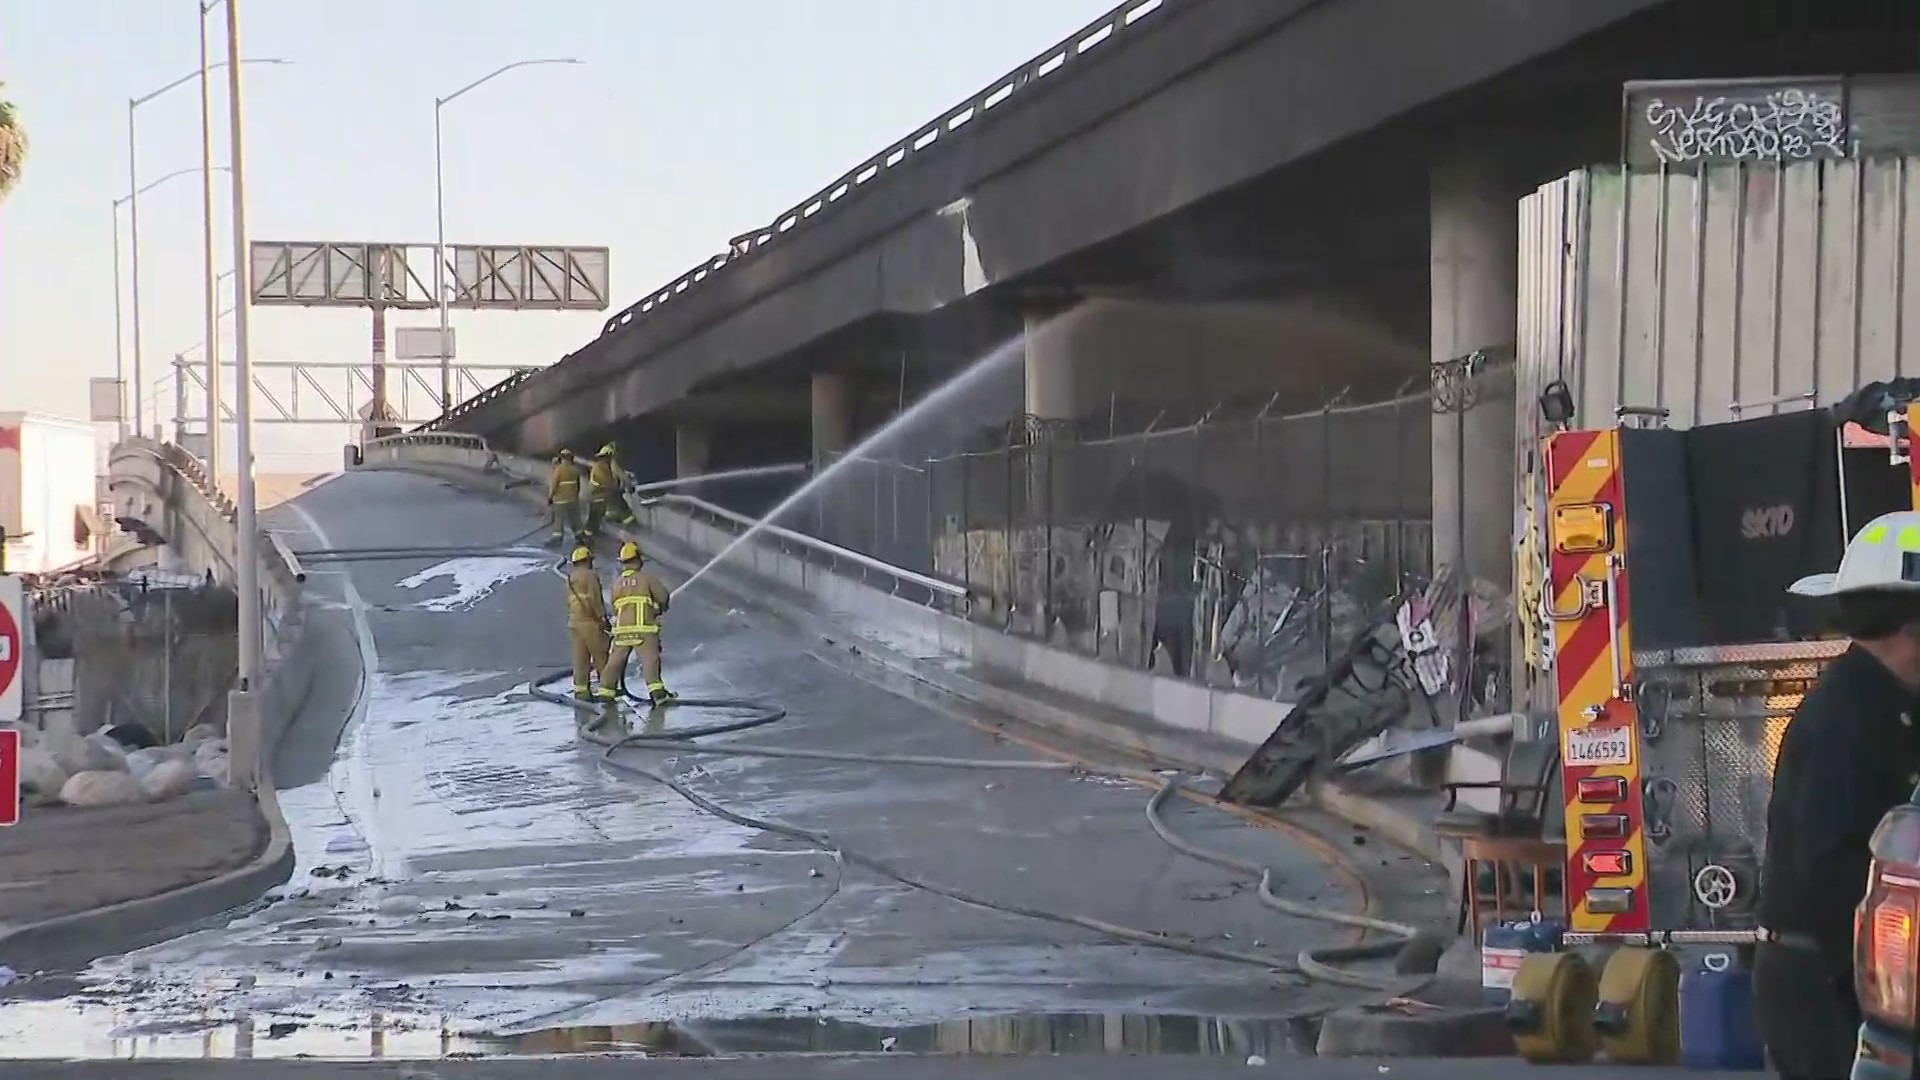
[472, 880]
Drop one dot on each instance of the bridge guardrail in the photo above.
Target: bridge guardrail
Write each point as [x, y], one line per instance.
[938, 132]
[835, 557]
[214, 519]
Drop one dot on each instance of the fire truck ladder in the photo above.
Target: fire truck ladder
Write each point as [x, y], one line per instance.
[1370, 684]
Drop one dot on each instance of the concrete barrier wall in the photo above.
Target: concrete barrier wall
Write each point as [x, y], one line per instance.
[163, 488]
[850, 595]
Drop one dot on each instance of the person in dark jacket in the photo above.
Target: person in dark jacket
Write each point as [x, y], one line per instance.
[1850, 754]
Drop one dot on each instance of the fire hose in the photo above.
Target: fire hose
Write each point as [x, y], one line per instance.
[1314, 963]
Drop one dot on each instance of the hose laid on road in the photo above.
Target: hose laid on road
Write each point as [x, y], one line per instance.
[1314, 963]
[826, 843]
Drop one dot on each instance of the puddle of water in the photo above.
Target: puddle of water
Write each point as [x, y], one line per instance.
[61, 1030]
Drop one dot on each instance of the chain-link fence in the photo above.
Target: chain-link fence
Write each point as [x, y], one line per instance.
[1239, 551]
[160, 655]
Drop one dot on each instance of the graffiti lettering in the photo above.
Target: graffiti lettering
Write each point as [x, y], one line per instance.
[1765, 523]
[1781, 127]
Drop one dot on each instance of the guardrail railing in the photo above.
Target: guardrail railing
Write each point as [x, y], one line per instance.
[834, 557]
[189, 468]
[429, 438]
[938, 132]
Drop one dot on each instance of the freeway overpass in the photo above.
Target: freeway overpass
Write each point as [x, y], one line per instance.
[1285, 197]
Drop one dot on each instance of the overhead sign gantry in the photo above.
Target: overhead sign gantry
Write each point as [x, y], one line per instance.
[382, 277]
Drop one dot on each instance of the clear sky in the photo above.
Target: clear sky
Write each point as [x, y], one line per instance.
[690, 121]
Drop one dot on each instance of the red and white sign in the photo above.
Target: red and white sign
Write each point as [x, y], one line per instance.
[9, 776]
[1499, 966]
[13, 614]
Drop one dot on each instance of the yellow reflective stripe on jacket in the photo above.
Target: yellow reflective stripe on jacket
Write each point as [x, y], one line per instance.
[632, 614]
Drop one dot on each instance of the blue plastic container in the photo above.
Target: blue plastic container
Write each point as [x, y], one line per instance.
[1504, 945]
[1716, 1018]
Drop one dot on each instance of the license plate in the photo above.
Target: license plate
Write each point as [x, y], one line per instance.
[1612, 745]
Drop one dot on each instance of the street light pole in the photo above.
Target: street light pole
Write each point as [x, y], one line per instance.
[246, 557]
[119, 335]
[440, 264]
[441, 292]
[133, 204]
[119, 356]
[133, 215]
[211, 300]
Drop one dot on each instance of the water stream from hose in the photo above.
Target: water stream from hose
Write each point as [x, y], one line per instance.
[747, 473]
[947, 394]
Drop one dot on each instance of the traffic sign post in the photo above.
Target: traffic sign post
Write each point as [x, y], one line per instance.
[9, 776]
[13, 615]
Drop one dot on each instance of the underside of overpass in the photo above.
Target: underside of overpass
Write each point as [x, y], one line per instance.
[1343, 273]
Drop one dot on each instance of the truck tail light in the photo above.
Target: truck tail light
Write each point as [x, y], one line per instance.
[1885, 966]
[1603, 790]
[1886, 926]
[1604, 826]
[1608, 863]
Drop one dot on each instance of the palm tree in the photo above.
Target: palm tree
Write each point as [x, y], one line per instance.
[13, 146]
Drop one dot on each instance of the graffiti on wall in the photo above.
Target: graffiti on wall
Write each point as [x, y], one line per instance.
[1259, 608]
[1777, 125]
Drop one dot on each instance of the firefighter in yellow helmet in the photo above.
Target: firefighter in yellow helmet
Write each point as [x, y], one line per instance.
[639, 599]
[607, 484]
[563, 495]
[586, 621]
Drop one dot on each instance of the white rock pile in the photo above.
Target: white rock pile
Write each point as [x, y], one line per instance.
[94, 770]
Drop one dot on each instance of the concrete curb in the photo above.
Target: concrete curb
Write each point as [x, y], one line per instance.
[1386, 1031]
[69, 941]
[1382, 817]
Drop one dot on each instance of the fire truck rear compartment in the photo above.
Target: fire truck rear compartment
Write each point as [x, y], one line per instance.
[1720, 520]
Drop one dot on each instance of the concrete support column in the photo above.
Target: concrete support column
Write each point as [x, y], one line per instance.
[1474, 254]
[1474, 266]
[1050, 383]
[691, 446]
[832, 415]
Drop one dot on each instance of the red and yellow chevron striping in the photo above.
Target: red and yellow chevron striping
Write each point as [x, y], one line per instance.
[1606, 872]
[1913, 459]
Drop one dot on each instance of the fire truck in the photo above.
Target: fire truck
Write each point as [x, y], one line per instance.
[1678, 658]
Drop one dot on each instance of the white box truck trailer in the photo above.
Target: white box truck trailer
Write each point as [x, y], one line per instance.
[48, 491]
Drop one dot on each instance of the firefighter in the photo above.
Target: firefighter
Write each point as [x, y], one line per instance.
[1850, 754]
[639, 599]
[586, 622]
[563, 495]
[607, 484]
